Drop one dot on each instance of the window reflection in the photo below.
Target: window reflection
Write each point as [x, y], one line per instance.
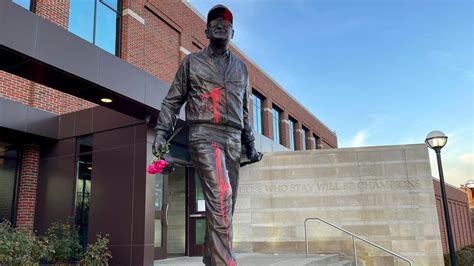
[158, 233]
[158, 192]
[316, 141]
[292, 126]
[200, 203]
[276, 124]
[200, 231]
[257, 113]
[83, 187]
[9, 164]
[305, 133]
[24, 3]
[101, 29]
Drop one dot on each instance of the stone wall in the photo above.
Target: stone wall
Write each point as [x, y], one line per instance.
[384, 194]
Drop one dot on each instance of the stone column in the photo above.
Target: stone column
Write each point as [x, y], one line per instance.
[267, 118]
[298, 136]
[310, 145]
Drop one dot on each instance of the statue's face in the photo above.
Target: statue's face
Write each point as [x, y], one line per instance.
[219, 29]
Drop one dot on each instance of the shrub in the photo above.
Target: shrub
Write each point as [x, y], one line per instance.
[464, 257]
[97, 253]
[64, 243]
[19, 247]
[61, 245]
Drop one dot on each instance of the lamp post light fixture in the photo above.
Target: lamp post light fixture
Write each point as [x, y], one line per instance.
[436, 141]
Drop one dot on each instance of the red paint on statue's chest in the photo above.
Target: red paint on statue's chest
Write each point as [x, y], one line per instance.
[215, 95]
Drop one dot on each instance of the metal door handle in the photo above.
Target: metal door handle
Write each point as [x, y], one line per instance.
[197, 215]
[166, 214]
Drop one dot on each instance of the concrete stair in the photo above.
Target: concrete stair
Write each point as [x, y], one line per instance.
[315, 260]
[259, 259]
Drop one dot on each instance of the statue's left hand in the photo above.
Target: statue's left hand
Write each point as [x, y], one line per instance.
[252, 153]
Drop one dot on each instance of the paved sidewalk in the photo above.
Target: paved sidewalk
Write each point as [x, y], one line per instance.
[243, 259]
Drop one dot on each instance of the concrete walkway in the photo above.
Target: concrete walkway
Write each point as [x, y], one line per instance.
[248, 259]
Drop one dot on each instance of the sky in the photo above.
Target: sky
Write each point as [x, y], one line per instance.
[379, 72]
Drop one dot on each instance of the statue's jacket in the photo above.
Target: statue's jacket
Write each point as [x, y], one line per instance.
[212, 98]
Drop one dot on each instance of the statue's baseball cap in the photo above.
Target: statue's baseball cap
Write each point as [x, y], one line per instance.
[220, 11]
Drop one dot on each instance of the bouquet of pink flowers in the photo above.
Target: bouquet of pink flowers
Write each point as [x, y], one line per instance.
[161, 162]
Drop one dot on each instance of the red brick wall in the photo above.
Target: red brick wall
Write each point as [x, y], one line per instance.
[162, 43]
[36, 95]
[459, 215]
[56, 11]
[27, 187]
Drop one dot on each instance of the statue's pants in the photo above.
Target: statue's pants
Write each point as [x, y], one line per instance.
[215, 154]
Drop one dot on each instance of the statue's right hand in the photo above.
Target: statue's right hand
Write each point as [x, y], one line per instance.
[158, 144]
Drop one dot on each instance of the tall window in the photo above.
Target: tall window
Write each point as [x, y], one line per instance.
[316, 141]
[24, 3]
[276, 124]
[291, 130]
[83, 186]
[9, 165]
[257, 112]
[304, 135]
[97, 21]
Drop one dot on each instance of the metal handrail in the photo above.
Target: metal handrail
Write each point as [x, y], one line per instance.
[353, 240]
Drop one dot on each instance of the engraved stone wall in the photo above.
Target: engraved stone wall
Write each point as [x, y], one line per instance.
[384, 194]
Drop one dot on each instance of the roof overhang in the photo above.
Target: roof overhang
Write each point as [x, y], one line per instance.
[22, 118]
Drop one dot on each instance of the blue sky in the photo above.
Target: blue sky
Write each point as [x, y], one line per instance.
[379, 72]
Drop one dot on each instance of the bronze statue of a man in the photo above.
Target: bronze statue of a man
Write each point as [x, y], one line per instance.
[214, 83]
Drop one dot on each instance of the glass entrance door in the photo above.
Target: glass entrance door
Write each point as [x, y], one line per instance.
[196, 215]
[161, 219]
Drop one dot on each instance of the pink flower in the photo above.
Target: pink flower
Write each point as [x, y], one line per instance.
[157, 167]
[152, 169]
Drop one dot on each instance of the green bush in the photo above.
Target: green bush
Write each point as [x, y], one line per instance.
[464, 257]
[97, 253]
[19, 248]
[64, 241]
[61, 245]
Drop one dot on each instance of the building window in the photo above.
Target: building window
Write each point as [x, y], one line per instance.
[291, 130]
[257, 112]
[27, 4]
[304, 135]
[83, 186]
[276, 124]
[97, 21]
[9, 169]
[316, 141]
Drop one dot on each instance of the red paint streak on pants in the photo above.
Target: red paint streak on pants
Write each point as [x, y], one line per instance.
[224, 189]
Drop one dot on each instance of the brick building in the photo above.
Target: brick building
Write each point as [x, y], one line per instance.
[81, 83]
[459, 214]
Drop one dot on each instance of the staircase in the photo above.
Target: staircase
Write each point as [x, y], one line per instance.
[260, 259]
[316, 260]
[293, 260]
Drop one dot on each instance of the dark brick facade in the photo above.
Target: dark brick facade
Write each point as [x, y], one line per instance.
[459, 214]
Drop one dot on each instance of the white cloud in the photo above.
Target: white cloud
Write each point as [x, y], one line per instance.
[359, 139]
[362, 137]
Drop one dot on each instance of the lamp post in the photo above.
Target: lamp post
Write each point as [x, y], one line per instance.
[436, 141]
